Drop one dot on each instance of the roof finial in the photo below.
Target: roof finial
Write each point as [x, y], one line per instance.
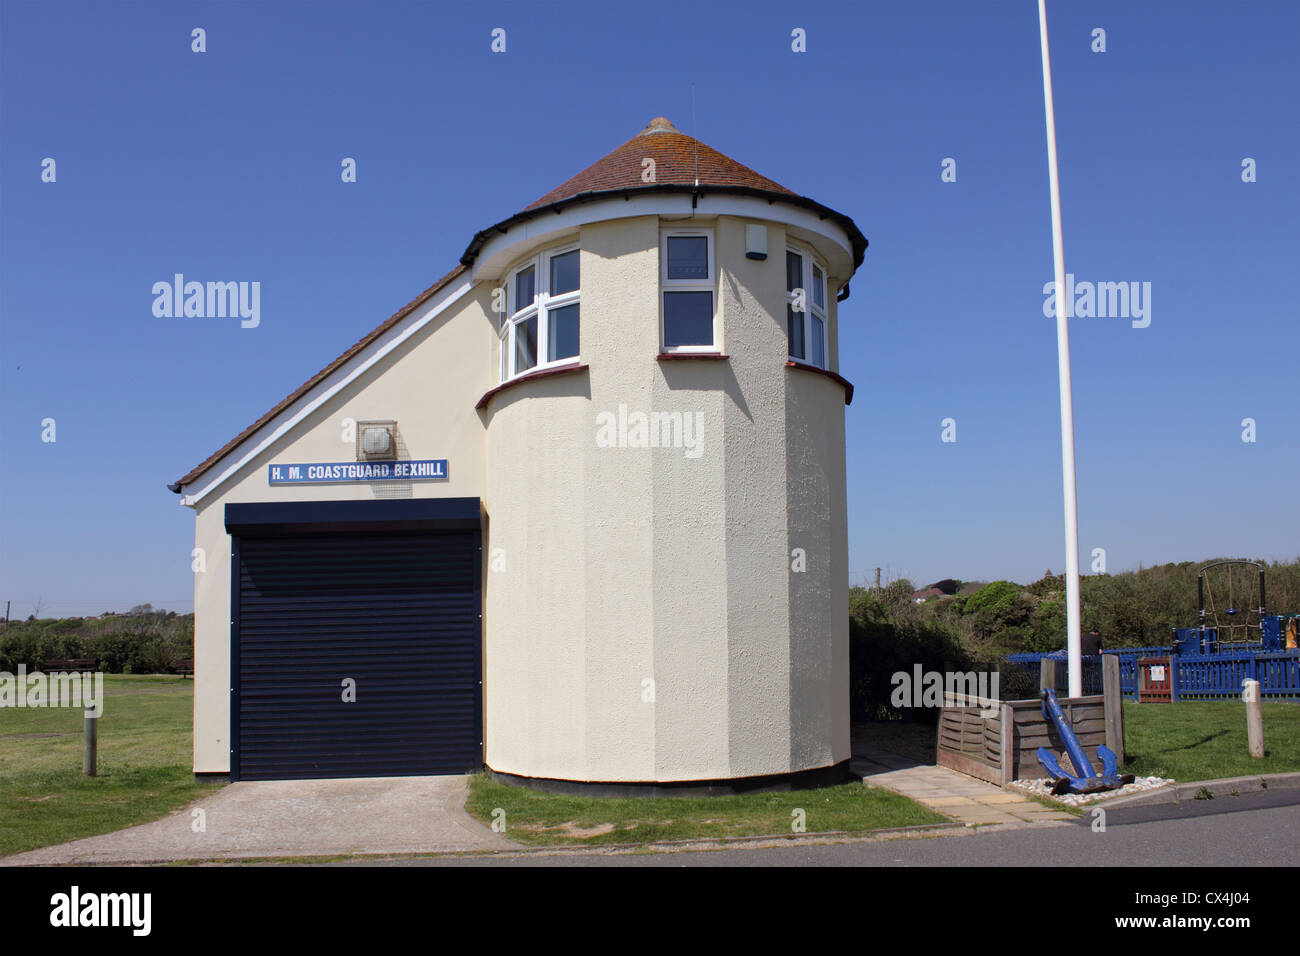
[660, 124]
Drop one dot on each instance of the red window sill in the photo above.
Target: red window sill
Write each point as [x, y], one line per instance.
[848, 386]
[528, 377]
[688, 356]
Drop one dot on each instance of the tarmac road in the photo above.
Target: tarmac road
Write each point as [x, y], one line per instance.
[1254, 829]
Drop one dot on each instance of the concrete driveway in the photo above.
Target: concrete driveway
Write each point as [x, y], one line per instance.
[295, 818]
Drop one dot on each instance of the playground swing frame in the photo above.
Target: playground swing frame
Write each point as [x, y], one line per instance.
[1202, 587]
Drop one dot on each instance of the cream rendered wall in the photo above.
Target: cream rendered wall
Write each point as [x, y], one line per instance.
[692, 625]
[758, 565]
[624, 565]
[570, 628]
[430, 389]
[818, 598]
[817, 502]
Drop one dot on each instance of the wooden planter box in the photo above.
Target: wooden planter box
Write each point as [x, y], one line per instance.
[1004, 746]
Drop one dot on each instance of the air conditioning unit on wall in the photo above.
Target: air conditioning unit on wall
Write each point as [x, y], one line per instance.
[377, 441]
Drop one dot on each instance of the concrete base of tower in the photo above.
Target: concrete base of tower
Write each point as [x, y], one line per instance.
[796, 780]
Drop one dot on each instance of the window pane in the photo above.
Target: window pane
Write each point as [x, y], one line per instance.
[688, 318]
[818, 342]
[794, 326]
[525, 344]
[819, 288]
[505, 357]
[562, 335]
[564, 273]
[688, 257]
[793, 271]
[525, 288]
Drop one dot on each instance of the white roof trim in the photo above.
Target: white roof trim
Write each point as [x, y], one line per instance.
[320, 393]
[502, 250]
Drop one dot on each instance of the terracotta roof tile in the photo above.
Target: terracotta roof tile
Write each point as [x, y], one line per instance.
[679, 160]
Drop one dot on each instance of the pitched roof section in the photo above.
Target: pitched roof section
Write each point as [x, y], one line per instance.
[320, 376]
[678, 160]
[682, 164]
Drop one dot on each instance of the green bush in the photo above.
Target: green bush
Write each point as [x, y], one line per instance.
[1048, 623]
[889, 634]
[31, 647]
[148, 642]
[1016, 683]
[995, 596]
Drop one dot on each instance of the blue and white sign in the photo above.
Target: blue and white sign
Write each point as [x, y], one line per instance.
[429, 469]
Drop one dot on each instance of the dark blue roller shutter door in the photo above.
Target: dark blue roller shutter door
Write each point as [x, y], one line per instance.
[398, 613]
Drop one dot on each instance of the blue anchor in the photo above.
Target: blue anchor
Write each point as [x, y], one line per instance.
[1109, 779]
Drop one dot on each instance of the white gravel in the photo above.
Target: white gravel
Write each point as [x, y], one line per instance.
[1042, 787]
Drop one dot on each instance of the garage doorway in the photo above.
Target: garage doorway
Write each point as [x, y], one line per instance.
[356, 639]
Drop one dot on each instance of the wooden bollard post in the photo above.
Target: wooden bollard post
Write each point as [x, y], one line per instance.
[89, 752]
[1114, 704]
[1254, 717]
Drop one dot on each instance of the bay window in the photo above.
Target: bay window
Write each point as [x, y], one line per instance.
[540, 325]
[805, 313]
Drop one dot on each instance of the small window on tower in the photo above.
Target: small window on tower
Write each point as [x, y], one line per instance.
[688, 304]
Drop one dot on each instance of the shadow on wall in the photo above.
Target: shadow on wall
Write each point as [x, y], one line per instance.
[706, 375]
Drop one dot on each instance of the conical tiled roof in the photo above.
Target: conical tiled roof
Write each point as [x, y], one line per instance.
[682, 164]
[678, 160]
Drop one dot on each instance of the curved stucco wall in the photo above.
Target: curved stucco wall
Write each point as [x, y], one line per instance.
[643, 621]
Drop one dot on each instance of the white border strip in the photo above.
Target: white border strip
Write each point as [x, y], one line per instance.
[501, 250]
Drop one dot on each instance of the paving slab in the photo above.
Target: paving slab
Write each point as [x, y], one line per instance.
[1004, 798]
[272, 818]
[946, 791]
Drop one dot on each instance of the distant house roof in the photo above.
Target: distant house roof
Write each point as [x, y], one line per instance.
[927, 593]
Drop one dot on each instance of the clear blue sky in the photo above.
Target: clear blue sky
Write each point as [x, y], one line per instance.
[226, 165]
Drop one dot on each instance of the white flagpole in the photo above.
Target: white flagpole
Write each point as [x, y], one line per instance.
[1067, 400]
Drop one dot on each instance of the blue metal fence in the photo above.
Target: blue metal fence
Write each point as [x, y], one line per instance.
[1091, 670]
[1195, 676]
[1209, 677]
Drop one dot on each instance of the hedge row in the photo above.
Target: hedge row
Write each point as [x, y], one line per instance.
[122, 652]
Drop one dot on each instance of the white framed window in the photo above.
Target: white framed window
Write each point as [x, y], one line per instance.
[806, 308]
[687, 276]
[541, 325]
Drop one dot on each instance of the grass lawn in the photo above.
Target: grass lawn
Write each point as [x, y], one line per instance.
[145, 764]
[1206, 740]
[540, 819]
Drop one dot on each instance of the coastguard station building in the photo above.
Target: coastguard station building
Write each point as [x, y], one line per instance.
[576, 513]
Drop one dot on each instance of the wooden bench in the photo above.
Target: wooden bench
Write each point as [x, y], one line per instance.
[185, 668]
[72, 664]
